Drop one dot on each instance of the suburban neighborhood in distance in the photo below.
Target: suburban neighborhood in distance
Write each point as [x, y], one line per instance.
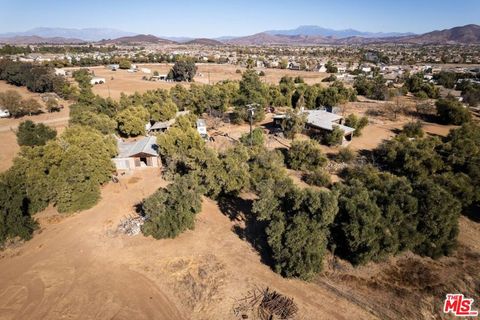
[240, 160]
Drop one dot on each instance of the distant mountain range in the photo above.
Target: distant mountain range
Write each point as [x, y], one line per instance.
[87, 34]
[324, 32]
[303, 35]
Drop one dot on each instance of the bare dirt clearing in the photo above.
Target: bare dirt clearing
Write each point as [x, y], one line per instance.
[75, 269]
[131, 82]
[57, 120]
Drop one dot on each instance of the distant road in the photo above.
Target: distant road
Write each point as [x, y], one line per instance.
[55, 122]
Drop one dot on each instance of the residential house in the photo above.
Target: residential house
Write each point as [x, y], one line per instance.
[321, 121]
[133, 155]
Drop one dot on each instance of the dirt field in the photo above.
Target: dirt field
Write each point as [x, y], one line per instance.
[129, 83]
[79, 267]
[9, 149]
[76, 267]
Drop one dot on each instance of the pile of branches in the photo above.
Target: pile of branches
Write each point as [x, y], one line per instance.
[265, 304]
[131, 225]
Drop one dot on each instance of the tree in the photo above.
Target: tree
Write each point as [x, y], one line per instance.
[305, 155]
[15, 218]
[31, 106]
[412, 158]
[237, 176]
[257, 138]
[297, 227]
[439, 212]
[183, 70]
[293, 123]
[11, 100]
[163, 110]
[131, 121]
[101, 122]
[31, 134]
[80, 162]
[377, 215]
[451, 111]
[251, 91]
[171, 211]
[331, 68]
[124, 64]
[357, 123]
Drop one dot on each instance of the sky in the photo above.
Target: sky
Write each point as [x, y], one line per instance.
[208, 18]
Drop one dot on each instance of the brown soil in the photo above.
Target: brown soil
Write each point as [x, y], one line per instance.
[130, 83]
[75, 268]
[10, 148]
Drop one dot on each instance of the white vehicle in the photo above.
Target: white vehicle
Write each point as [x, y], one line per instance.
[4, 113]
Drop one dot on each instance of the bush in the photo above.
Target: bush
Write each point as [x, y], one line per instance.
[318, 177]
[257, 139]
[261, 73]
[413, 129]
[345, 155]
[451, 111]
[305, 155]
[357, 123]
[31, 134]
[334, 137]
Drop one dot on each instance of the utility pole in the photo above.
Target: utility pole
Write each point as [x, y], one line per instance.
[251, 112]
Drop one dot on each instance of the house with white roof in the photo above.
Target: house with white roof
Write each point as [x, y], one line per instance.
[321, 121]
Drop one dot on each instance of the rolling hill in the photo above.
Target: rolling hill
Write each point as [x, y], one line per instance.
[204, 42]
[138, 39]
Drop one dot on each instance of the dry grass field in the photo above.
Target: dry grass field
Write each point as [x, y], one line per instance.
[129, 83]
[9, 146]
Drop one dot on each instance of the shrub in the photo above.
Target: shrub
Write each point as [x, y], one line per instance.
[256, 140]
[413, 129]
[318, 177]
[345, 155]
[357, 123]
[334, 137]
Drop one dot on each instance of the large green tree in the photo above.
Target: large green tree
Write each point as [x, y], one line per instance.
[31, 134]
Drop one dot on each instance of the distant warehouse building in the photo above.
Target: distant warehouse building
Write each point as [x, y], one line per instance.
[133, 155]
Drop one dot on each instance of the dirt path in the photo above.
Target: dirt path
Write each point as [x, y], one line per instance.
[75, 268]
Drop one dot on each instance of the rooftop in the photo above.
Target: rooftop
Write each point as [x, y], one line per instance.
[146, 145]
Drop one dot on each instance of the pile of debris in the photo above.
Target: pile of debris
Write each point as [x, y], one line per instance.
[265, 304]
[130, 225]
